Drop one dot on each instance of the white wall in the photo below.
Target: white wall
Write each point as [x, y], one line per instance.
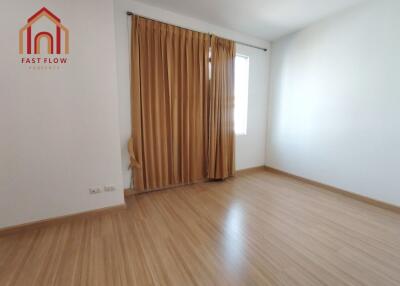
[335, 102]
[251, 148]
[59, 129]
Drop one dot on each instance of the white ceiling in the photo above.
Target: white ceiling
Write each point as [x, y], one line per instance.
[266, 19]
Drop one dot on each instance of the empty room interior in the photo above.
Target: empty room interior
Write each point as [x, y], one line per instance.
[186, 142]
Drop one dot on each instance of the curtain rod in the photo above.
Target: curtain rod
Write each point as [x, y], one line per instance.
[129, 13]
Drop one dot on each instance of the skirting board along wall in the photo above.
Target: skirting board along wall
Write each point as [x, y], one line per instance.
[358, 197]
[61, 219]
[244, 172]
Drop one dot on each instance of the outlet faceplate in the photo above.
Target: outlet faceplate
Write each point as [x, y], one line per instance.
[109, 189]
[94, 191]
[97, 190]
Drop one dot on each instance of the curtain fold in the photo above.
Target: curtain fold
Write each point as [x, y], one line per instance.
[169, 90]
[221, 153]
[182, 121]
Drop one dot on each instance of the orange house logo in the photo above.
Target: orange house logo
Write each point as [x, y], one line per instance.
[42, 41]
[32, 43]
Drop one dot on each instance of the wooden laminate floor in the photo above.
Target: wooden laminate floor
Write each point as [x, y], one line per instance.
[257, 229]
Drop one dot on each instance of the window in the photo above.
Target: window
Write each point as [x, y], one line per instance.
[241, 93]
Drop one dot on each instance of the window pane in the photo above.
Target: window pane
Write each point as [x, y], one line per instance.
[241, 93]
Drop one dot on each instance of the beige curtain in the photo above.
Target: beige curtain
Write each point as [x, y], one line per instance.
[221, 156]
[169, 101]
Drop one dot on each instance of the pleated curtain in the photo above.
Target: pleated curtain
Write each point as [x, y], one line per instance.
[170, 106]
[221, 157]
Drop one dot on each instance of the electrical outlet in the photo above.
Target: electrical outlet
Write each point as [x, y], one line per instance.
[109, 188]
[94, 191]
